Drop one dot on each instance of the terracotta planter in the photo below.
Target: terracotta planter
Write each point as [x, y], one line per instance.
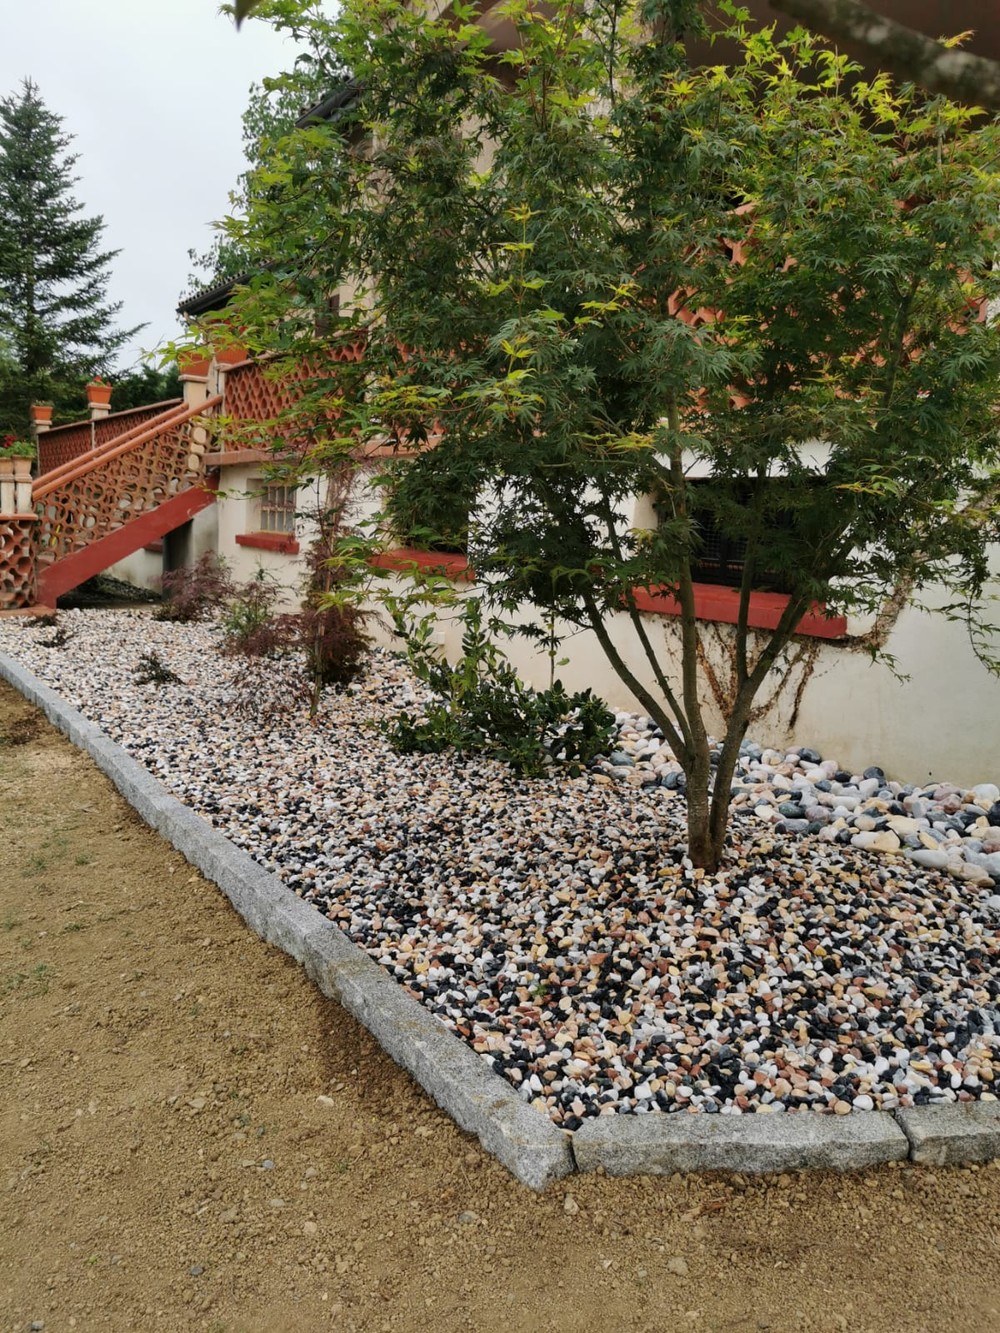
[230, 356]
[194, 365]
[22, 469]
[41, 414]
[98, 395]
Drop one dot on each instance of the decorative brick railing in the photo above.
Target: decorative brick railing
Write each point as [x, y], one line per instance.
[17, 561]
[88, 498]
[18, 522]
[251, 395]
[62, 444]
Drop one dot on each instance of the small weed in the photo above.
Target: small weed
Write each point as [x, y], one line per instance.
[11, 922]
[152, 670]
[41, 974]
[34, 983]
[72, 927]
[60, 638]
[342, 1166]
[36, 865]
[196, 1010]
[83, 859]
[21, 731]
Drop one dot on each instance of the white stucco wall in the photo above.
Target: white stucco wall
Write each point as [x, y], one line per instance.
[142, 569]
[943, 721]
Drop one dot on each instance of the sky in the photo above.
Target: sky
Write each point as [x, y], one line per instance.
[152, 91]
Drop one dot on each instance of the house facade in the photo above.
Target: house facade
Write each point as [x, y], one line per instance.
[936, 713]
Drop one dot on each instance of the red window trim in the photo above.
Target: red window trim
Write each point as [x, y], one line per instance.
[449, 564]
[269, 541]
[715, 602]
[711, 601]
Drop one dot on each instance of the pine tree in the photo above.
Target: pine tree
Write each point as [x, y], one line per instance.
[55, 323]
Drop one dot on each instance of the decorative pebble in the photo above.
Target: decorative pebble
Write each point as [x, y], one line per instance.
[844, 956]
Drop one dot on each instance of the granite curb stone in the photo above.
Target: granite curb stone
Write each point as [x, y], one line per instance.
[662, 1144]
[942, 1135]
[534, 1149]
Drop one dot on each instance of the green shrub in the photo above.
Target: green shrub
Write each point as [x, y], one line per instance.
[484, 708]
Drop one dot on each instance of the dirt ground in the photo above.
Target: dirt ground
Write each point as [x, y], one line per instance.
[192, 1138]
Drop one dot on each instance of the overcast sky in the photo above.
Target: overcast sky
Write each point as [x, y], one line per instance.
[153, 91]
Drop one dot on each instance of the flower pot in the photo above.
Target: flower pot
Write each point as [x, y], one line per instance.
[230, 356]
[98, 395]
[41, 414]
[194, 363]
[22, 469]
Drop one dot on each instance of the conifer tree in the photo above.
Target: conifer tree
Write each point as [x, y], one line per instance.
[55, 321]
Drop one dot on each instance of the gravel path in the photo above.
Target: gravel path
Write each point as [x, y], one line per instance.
[844, 957]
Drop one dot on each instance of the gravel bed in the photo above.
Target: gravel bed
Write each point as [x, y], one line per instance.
[844, 957]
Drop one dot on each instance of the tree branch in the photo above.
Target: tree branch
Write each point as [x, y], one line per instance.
[904, 52]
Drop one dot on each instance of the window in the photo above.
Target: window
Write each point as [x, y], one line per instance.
[270, 515]
[277, 509]
[720, 556]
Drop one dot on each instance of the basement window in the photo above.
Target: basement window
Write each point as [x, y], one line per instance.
[271, 518]
[721, 557]
[277, 508]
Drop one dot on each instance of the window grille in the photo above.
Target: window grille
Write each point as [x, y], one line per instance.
[277, 509]
[721, 556]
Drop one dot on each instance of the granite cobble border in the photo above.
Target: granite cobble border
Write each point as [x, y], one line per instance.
[532, 1148]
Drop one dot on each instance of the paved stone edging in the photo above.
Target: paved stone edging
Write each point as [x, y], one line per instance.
[534, 1149]
[524, 1139]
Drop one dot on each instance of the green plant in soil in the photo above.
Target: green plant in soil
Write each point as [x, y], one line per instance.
[195, 591]
[328, 631]
[152, 670]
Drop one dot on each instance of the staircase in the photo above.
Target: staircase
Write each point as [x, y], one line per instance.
[101, 506]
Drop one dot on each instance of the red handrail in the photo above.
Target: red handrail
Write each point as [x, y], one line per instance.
[121, 444]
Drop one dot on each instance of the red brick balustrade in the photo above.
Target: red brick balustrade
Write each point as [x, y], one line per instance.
[17, 561]
[17, 531]
[155, 474]
[251, 395]
[62, 444]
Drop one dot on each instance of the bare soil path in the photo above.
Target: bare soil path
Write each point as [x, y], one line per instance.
[192, 1138]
